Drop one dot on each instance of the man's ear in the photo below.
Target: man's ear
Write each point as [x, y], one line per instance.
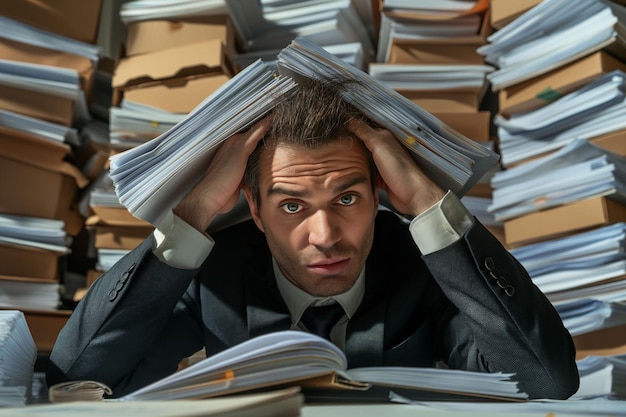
[254, 208]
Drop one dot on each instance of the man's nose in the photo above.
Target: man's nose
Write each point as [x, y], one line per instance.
[323, 230]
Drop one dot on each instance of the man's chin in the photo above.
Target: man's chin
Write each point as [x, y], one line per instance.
[331, 286]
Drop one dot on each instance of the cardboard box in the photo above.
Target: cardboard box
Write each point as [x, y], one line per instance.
[180, 95]
[155, 35]
[613, 142]
[175, 79]
[119, 216]
[604, 342]
[30, 190]
[36, 104]
[45, 326]
[437, 101]
[116, 236]
[449, 51]
[541, 90]
[564, 220]
[18, 51]
[34, 179]
[475, 125]
[503, 12]
[120, 237]
[29, 262]
[35, 149]
[77, 19]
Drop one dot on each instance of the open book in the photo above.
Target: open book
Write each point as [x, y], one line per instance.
[152, 178]
[295, 358]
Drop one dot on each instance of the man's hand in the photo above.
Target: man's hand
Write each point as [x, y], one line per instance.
[408, 188]
[218, 190]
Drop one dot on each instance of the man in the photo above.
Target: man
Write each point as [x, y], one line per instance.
[442, 290]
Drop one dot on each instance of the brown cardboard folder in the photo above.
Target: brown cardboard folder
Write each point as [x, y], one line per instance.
[29, 262]
[74, 19]
[34, 178]
[541, 90]
[563, 220]
[155, 35]
[167, 77]
[17, 51]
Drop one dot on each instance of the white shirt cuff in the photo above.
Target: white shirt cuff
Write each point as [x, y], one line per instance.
[180, 245]
[441, 224]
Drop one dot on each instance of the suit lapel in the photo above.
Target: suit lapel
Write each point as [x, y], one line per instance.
[266, 309]
[366, 330]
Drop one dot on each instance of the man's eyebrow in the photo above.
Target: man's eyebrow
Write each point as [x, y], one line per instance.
[342, 186]
[350, 182]
[280, 190]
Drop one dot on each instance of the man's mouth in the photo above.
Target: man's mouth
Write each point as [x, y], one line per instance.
[329, 266]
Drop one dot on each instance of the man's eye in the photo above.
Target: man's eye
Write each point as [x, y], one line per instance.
[292, 207]
[348, 199]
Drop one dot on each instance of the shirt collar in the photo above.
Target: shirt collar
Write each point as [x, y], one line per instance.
[298, 300]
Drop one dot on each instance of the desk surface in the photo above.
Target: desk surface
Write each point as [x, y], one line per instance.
[531, 409]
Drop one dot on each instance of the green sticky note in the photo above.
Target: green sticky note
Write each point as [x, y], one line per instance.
[548, 94]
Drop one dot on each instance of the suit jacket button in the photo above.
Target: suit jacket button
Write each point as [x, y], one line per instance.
[502, 283]
[509, 290]
[119, 285]
[495, 273]
[125, 276]
[112, 295]
[489, 263]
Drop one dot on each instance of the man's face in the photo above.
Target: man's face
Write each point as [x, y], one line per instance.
[317, 212]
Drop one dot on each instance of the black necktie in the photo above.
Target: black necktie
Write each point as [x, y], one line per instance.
[320, 319]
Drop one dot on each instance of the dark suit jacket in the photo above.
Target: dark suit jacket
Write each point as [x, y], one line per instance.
[470, 305]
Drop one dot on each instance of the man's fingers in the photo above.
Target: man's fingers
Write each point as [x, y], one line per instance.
[257, 131]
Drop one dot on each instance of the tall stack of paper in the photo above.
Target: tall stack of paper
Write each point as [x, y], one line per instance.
[48, 59]
[17, 359]
[564, 214]
[176, 53]
[560, 129]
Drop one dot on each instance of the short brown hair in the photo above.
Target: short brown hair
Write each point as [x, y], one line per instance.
[314, 116]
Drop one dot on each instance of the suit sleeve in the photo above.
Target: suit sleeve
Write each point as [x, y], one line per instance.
[133, 327]
[505, 323]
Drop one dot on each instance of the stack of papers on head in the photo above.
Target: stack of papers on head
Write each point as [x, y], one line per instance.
[451, 159]
[151, 178]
